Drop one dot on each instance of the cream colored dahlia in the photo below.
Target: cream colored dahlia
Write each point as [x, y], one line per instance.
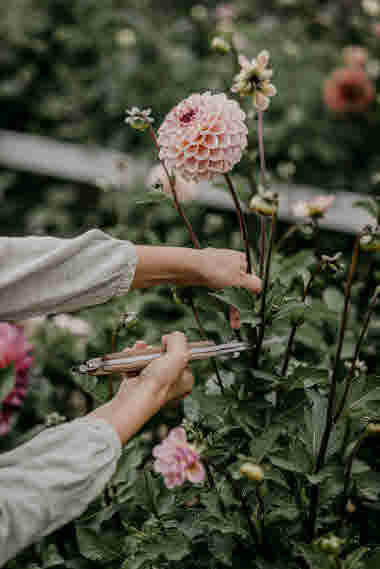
[203, 136]
[253, 79]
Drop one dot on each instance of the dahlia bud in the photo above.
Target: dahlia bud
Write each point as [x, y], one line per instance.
[331, 544]
[373, 429]
[350, 507]
[252, 471]
[220, 45]
[265, 203]
[139, 119]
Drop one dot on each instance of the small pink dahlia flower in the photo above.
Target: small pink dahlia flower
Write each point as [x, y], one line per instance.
[14, 349]
[177, 460]
[186, 191]
[316, 207]
[203, 136]
[348, 90]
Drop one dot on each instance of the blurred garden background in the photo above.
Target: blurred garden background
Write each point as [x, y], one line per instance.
[69, 69]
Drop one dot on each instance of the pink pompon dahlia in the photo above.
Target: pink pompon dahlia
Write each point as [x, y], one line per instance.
[348, 90]
[203, 136]
[177, 460]
[14, 349]
[316, 207]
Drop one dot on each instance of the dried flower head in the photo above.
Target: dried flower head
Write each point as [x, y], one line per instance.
[185, 190]
[177, 460]
[203, 136]
[316, 207]
[348, 90]
[139, 119]
[333, 263]
[253, 79]
[355, 55]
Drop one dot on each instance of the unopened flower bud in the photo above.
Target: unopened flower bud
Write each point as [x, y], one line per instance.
[252, 471]
[139, 119]
[331, 544]
[373, 429]
[264, 204]
[350, 507]
[220, 45]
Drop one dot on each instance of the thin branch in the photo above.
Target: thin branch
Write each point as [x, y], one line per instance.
[242, 223]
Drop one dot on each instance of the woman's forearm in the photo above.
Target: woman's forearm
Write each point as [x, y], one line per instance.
[160, 265]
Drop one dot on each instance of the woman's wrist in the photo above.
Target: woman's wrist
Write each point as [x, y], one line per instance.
[160, 265]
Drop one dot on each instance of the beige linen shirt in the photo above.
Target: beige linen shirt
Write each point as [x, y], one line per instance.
[50, 480]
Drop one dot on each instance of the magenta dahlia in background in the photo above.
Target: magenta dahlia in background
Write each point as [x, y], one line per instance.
[15, 350]
[177, 460]
[203, 136]
[348, 90]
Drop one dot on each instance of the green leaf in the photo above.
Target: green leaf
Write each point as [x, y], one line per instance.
[96, 386]
[290, 267]
[176, 547]
[261, 446]
[51, 557]
[102, 548]
[241, 299]
[7, 381]
[369, 206]
[360, 404]
[222, 547]
[156, 197]
[286, 464]
[292, 310]
[334, 299]
[315, 421]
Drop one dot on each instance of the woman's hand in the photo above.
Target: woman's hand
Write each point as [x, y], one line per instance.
[140, 397]
[223, 267]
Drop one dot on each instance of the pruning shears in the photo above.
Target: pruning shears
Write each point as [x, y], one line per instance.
[136, 359]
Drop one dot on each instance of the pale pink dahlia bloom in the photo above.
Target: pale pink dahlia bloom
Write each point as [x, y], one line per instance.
[177, 460]
[185, 190]
[316, 207]
[203, 136]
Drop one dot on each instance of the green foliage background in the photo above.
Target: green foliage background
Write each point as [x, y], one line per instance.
[65, 73]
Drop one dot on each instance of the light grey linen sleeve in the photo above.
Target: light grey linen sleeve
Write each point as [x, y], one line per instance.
[50, 480]
[41, 275]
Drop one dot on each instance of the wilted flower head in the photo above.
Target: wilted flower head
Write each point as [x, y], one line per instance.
[185, 190]
[203, 136]
[333, 262]
[139, 119]
[253, 79]
[370, 240]
[177, 460]
[348, 90]
[316, 207]
[355, 55]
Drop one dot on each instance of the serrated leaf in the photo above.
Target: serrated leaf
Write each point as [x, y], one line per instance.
[261, 446]
[240, 298]
[102, 548]
[292, 310]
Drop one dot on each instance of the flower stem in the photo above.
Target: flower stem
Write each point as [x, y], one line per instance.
[350, 375]
[177, 203]
[265, 289]
[293, 331]
[242, 223]
[332, 394]
[260, 137]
